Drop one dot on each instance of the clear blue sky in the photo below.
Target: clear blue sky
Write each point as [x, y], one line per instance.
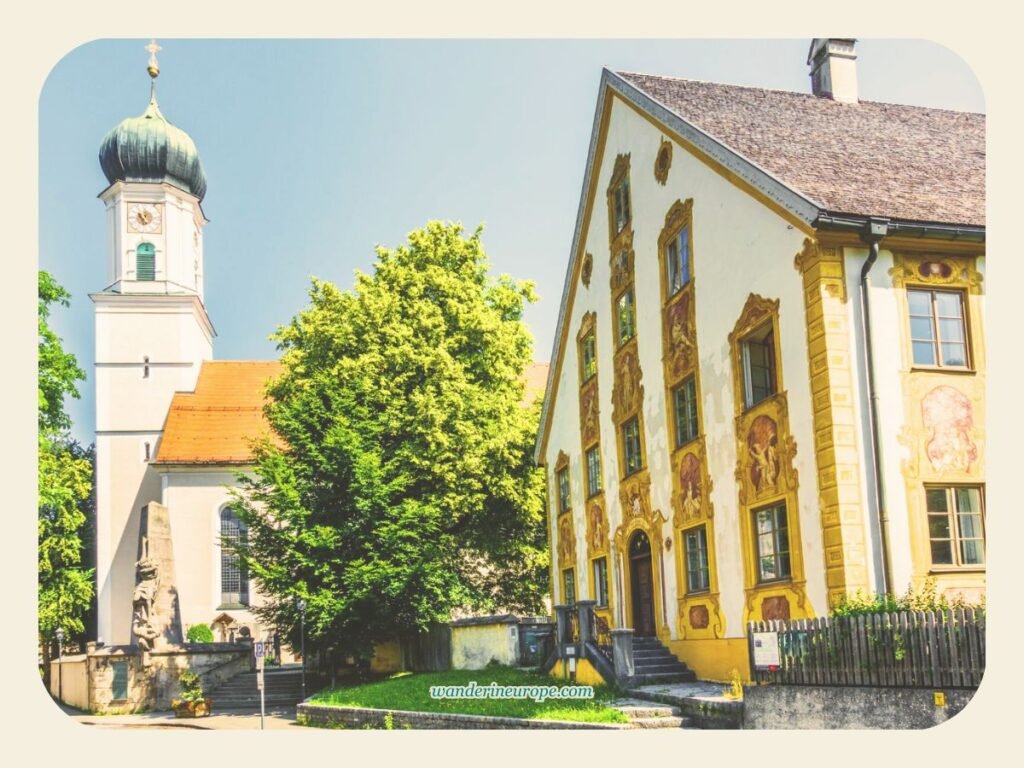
[316, 151]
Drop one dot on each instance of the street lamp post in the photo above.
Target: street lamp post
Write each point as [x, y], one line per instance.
[301, 605]
[60, 663]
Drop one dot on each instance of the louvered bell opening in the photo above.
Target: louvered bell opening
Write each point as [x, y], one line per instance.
[145, 262]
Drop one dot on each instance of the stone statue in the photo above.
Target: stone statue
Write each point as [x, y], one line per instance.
[146, 585]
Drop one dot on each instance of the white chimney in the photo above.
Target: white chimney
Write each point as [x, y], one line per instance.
[833, 65]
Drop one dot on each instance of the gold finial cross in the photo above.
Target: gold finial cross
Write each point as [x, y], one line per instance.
[154, 67]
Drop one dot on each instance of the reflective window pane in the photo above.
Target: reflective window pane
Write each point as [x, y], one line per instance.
[949, 304]
[920, 302]
[942, 553]
[924, 353]
[921, 328]
[954, 354]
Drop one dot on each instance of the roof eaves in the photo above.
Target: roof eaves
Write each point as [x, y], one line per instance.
[794, 201]
[573, 253]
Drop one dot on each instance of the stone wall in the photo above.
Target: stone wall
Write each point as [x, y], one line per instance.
[805, 706]
[151, 681]
[319, 716]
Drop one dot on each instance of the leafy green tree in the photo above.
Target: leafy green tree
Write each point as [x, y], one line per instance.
[65, 486]
[402, 486]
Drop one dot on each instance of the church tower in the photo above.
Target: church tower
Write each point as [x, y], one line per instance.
[152, 331]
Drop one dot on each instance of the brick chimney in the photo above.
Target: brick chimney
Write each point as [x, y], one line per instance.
[833, 65]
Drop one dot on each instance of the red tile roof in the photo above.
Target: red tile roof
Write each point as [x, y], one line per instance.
[216, 423]
[867, 159]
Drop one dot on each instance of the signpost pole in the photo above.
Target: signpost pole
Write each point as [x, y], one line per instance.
[258, 648]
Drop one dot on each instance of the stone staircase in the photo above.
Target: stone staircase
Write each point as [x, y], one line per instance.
[653, 663]
[645, 714]
[283, 689]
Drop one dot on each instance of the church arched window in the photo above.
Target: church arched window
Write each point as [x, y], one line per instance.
[234, 580]
[145, 262]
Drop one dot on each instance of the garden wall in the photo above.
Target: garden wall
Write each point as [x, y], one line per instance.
[818, 707]
[478, 641]
[319, 716]
[119, 679]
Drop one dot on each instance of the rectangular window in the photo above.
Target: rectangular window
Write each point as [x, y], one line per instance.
[685, 397]
[621, 204]
[697, 572]
[678, 258]
[119, 684]
[627, 317]
[631, 445]
[569, 585]
[563, 489]
[771, 533]
[938, 332]
[593, 471]
[589, 356]
[956, 526]
[234, 576]
[759, 379]
[601, 581]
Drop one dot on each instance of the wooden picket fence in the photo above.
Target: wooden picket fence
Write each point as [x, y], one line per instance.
[928, 649]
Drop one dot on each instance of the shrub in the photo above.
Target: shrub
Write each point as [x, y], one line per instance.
[200, 633]
[926, 598]
[191, 686]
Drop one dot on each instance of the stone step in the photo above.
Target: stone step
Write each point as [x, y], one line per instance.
[671, 721]
[662, 678]
[654, 657]
[637, 708]
[654, 669]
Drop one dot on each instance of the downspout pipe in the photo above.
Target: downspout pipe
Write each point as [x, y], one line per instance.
[874, 231]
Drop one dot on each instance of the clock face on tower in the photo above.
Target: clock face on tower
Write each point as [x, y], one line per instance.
[144, 217]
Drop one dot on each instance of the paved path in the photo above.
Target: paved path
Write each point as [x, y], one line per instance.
[277, 720]
[696, 690]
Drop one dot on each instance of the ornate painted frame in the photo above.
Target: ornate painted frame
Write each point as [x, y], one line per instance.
[765, 474]
[698, 615]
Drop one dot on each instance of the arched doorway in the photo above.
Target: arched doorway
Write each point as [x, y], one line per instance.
[642, 584]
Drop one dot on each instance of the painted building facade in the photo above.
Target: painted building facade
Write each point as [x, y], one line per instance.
[734, 429]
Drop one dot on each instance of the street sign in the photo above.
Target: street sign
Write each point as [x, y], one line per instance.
[260, 649]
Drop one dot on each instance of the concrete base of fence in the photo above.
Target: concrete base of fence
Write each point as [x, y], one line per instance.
[775, 706]
[319, 716]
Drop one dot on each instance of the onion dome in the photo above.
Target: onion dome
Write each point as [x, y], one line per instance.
[150, 148]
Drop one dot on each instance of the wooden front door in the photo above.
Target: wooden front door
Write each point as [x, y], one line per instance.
[640, 573]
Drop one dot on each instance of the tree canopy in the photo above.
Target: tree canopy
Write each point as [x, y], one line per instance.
[65, 483]
[402, 487]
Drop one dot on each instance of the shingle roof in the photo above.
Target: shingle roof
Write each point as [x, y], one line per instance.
[216, 423]
[866, 159]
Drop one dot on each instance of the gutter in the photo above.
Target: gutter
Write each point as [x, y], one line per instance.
[872, 234]
[905, 228]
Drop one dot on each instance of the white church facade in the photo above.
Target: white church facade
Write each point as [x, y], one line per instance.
[173, 427]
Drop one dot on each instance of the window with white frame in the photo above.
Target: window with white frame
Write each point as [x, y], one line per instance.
[956, 525]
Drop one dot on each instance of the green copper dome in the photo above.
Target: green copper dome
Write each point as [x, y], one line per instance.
[149, 148]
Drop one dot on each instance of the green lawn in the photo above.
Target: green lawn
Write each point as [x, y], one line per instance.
[411, 692]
